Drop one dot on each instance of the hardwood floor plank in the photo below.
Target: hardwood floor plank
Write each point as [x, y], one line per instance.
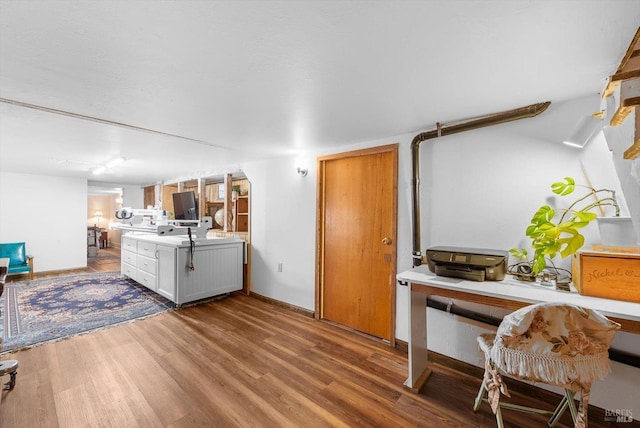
[74, 407]
[361, 412]
[118, 397]
[283, 364]
[256, 402]
[197, 419]
[158, 388]
[209, 396]
[66, 364]
[31, 405]
[318, 416]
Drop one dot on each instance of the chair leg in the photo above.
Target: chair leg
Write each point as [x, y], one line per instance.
[558, 412]
[476, 404]
[479, 399]
[572, 404]
[567, 401]
[499, 420]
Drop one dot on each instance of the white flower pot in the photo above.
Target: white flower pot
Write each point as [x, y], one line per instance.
[617, 232]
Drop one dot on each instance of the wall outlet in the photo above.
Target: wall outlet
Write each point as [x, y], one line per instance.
[280, 267]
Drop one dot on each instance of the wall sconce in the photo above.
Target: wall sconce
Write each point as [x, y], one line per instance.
[583, 131]
[301, 166]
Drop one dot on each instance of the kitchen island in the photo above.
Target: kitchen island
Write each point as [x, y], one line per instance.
[184, 270]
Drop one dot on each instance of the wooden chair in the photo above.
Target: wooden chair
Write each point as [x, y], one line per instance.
[553, 343]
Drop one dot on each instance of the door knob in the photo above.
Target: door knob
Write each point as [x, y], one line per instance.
[386, 241]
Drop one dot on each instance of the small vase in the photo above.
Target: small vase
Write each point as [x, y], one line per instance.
[617, 232]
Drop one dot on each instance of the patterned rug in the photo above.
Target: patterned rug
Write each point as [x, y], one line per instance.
[34, 312]
[103, 255]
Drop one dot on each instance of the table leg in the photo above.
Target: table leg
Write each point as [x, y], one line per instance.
[419, 370]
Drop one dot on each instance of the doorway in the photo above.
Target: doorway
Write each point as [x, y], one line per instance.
[357, 218]
[102, 204]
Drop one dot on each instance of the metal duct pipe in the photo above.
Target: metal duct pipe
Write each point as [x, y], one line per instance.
[440, 131]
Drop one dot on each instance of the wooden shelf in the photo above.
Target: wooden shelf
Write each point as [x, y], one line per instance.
[626, 107]
[242, 214]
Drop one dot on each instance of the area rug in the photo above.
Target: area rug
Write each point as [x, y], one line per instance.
[39, 311]
[103, 255]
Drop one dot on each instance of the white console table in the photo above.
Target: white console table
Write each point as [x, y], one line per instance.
[509, 294]
[160, 263]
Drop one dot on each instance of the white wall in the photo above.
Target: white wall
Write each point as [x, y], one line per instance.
[482, 188]
[283, 218]
[49, 214]
[478, 189]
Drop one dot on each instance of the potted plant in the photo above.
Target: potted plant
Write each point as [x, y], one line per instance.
[555, 232]
[235, 192]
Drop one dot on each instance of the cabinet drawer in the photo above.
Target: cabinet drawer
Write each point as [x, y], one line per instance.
[146, 264]
[146, 279]
[129, 270]
[129, 244]
[147, 249]
[129, 257]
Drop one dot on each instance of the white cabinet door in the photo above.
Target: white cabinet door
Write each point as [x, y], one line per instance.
[217, 270]
[166, 271]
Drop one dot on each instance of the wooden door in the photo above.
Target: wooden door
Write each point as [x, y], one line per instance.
[357, 240]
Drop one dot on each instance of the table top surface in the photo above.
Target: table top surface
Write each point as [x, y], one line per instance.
[513, 289]
[180, 240]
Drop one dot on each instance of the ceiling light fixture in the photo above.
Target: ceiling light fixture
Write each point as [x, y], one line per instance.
[584, 130]
[114, 162]
[107, 166]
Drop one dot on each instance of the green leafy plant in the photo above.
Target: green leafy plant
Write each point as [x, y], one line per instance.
[557, 232]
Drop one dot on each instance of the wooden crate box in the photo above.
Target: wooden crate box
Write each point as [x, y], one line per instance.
[612, 273]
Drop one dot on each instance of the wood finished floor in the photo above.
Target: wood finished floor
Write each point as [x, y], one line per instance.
[237, 362]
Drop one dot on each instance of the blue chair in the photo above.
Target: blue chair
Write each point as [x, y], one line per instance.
[19, 261]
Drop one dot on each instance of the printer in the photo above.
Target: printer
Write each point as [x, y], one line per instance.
[473, 264]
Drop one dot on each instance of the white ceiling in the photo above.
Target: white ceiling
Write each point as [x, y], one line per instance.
[246, 80]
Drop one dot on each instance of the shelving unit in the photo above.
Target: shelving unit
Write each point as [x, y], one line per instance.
[242, 214]
[213, 194]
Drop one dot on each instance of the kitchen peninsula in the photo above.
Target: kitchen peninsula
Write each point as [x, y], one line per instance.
[184, 270]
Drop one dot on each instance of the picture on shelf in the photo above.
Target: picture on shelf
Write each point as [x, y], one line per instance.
[221, 191]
